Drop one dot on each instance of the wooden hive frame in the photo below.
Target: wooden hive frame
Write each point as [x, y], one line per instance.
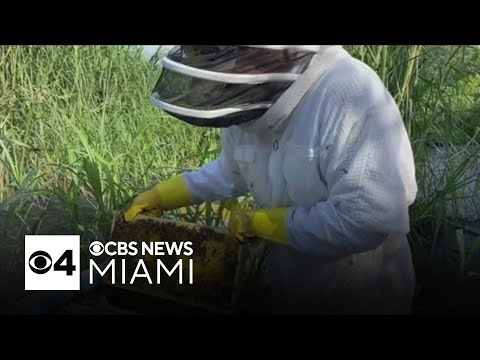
[154, 299]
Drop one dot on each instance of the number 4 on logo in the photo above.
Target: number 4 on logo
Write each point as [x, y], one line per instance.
[66, 257]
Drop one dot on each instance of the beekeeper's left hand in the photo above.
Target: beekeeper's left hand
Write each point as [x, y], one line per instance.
[267, 224]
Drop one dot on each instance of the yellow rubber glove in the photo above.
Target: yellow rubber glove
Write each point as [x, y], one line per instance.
[170, 194]
[268, 224]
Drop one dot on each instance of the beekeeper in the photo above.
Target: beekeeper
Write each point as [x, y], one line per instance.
[313, 134]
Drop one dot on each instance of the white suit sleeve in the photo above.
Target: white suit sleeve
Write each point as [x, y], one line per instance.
[367, 165]
[219, 179]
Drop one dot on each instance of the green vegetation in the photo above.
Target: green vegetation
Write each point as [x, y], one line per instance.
[79, 138]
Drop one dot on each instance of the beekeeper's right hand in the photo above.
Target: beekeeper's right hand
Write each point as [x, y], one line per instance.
[170, 194]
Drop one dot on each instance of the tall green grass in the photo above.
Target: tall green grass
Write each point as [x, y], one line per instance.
[77, 120]
[77, 131]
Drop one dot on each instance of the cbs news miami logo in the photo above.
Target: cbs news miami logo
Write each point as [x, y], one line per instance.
[52, 262]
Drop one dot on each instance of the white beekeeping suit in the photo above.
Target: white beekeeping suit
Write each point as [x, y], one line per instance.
[341, 162]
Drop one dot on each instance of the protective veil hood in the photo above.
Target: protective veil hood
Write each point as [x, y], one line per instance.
[221, 86]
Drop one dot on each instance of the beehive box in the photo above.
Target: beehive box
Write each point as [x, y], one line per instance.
[210, 281]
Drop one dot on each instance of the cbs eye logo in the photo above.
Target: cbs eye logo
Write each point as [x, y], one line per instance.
[40, 262]
[96, 248]
[52, 262]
